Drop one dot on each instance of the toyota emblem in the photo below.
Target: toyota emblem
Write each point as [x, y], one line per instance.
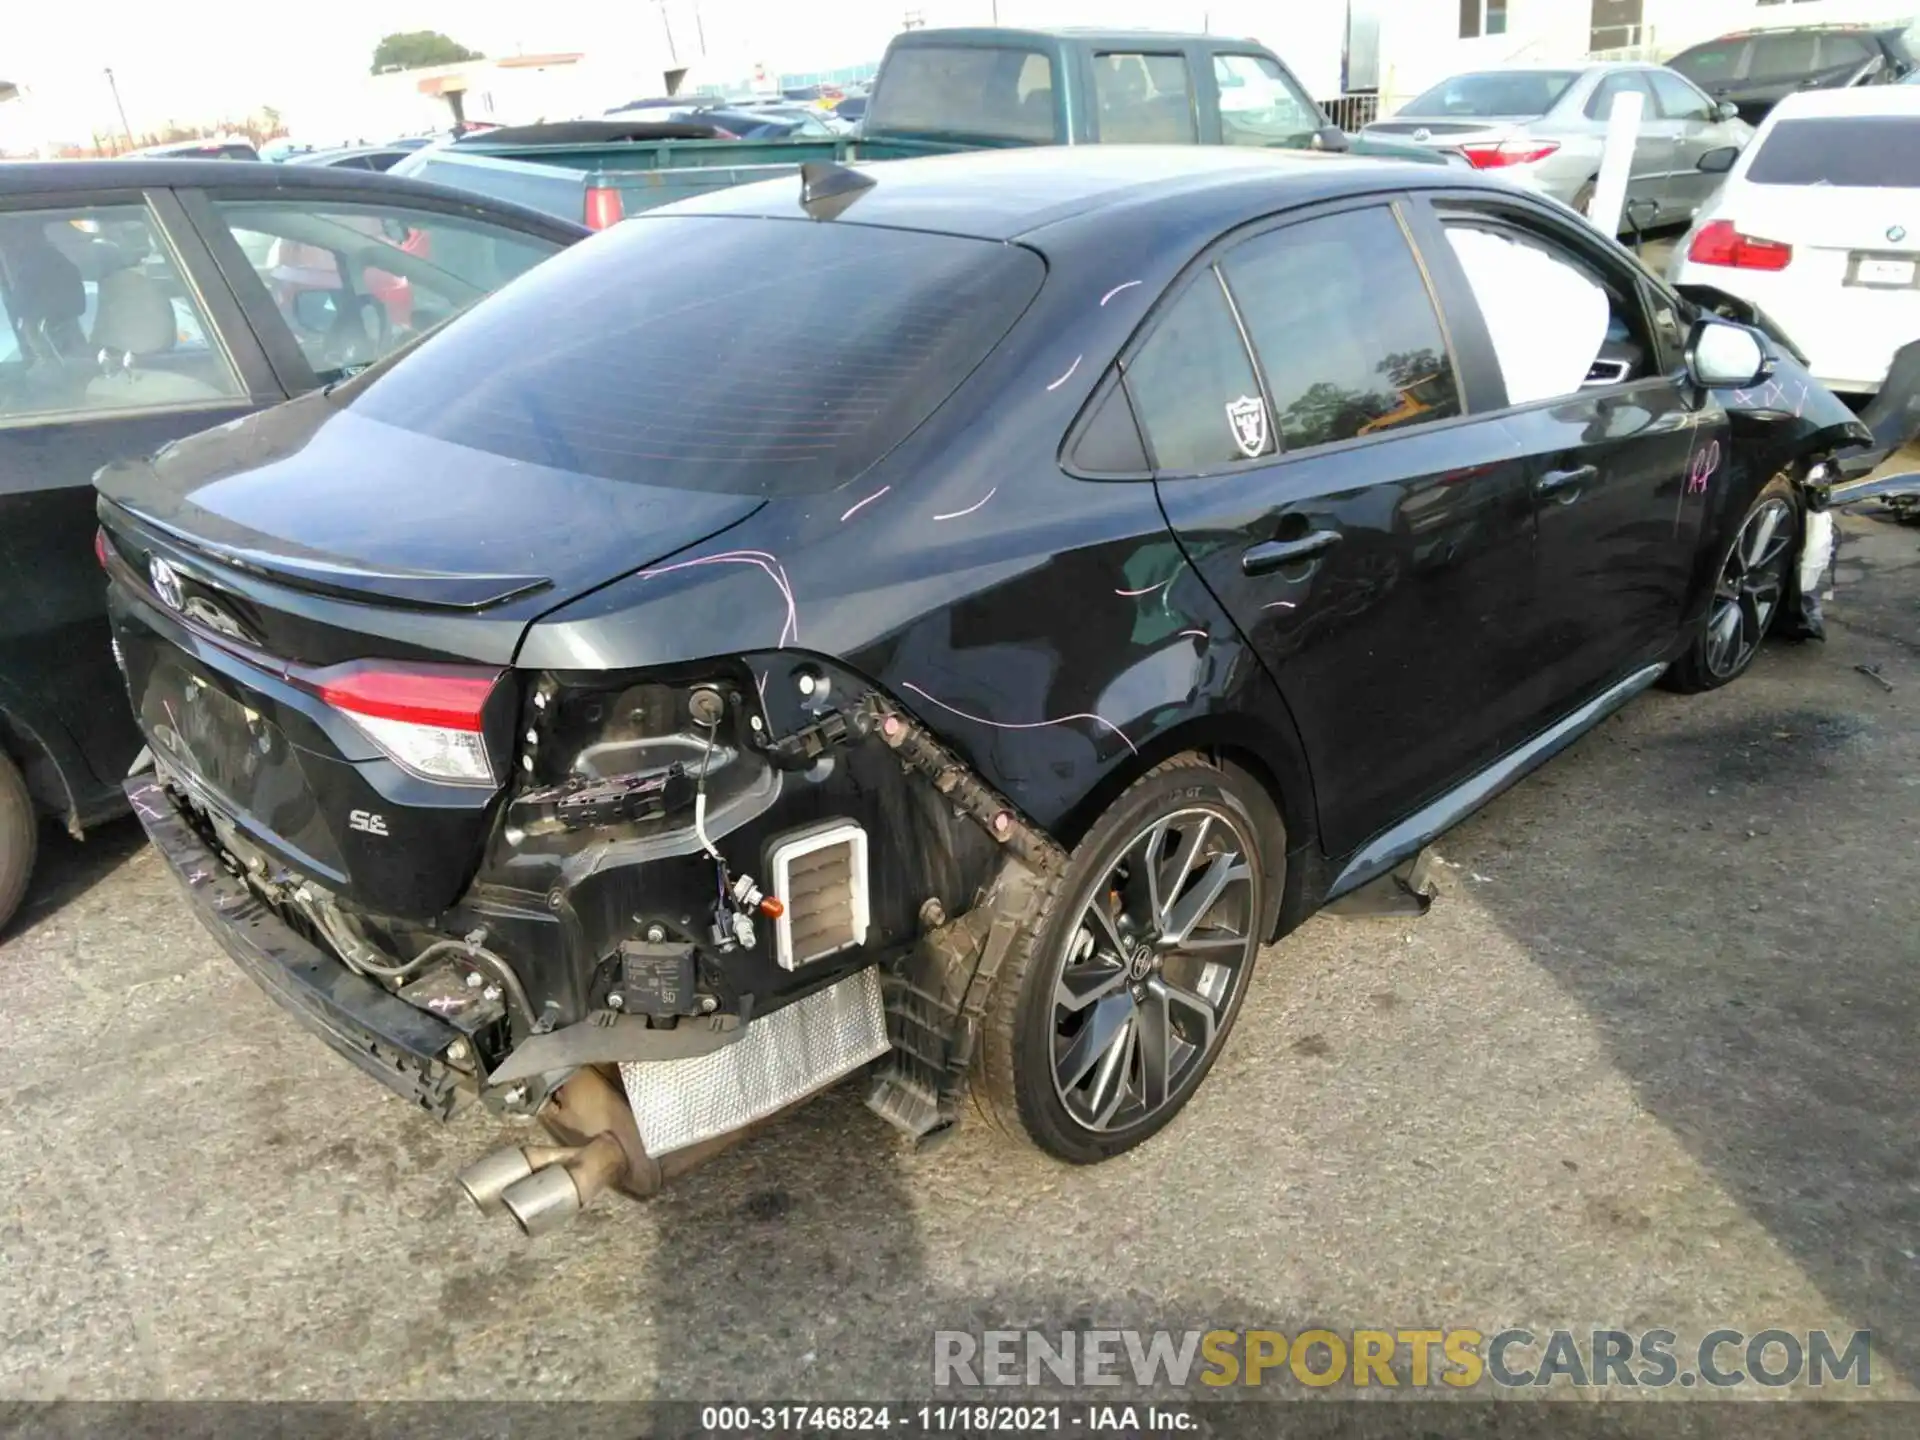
[1897, 234]
[1423, 133]
[166, 582]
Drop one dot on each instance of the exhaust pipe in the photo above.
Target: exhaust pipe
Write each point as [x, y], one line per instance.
[543, 1187]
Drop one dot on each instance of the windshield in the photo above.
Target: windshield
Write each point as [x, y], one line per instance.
[1873, 152]
[1495, 92]
[751, 356]
[989, 91]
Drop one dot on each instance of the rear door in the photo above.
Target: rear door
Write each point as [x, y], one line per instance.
[1620, 460]
[1781, 62]
[1370, 537]
[117, 335]
[1654, 146]
[1697, 128]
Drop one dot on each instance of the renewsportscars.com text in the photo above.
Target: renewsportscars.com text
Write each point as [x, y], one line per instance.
[1459, 1359]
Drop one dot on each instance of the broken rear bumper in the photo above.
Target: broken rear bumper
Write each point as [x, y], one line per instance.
[402, 1047]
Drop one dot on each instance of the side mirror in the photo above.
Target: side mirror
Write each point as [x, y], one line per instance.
[1718, 162]
[1722, 356]
[1727, 110]
[1330, 138]
[315, 310]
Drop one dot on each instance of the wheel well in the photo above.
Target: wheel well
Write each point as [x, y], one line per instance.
[45, 782]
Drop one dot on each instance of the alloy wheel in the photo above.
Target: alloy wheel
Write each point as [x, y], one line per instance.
[1162, 946]
[1749, 588]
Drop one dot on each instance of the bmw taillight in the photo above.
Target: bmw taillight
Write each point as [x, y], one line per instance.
[1508, 152]
[605, 208]
[430, 719]
[1719, 242]
[100, 544]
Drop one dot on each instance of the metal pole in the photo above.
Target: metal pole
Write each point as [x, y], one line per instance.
[667, 24]
[121, 108]
[699, 30]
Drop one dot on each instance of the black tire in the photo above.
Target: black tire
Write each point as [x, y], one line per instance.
[1181, 1009]
[1750, 584]
[19, 837]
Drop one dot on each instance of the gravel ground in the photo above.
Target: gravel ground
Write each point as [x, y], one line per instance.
[1650, 1061]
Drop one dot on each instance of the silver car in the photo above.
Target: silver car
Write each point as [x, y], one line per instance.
[1544, 128]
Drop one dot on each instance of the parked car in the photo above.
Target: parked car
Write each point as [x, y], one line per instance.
[354, 157]
[1818, 224]
[1755, 69]
[141, 301]
[1179, 539]
[233, 147]
[1545, 128]
[939, 92]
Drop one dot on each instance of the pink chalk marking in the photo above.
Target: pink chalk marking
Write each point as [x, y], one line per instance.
[1117, 289]
[1184, 633]
[1069, 375]
[1280, 605]
[956, 514]
[1702, 467]
[760, 684]
[1134, 594]
[1031, 725]
[775, 571]
[859, 504]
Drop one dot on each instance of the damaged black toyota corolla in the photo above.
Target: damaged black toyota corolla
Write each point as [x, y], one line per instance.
[942, 618]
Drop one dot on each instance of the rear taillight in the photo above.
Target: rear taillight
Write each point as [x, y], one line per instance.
[429, 718]
[1719, 242]
[605, 209]
[101, 552]
[1508, 152]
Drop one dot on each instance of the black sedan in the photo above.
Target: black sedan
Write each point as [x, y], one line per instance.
[1175, 541]
[140, 301]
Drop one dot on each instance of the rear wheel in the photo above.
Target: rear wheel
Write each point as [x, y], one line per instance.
[19, 835]
[1747, 593]
[1124, 988]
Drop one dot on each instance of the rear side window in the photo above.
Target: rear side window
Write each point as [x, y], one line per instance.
[1622, 82]
[1710, 64]
[1143, 99]
[991, 91]
[1489, 93]
[751, 356]
[1344, 327]
[1865, 151]
[1784, 56]
[1193, 386]
[1678, 99]
[1848, 50]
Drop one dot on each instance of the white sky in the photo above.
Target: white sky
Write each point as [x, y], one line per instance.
[201, 62]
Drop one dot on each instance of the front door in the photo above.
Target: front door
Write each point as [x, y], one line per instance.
[1374, 545]
[108, 348]
[1621, 461]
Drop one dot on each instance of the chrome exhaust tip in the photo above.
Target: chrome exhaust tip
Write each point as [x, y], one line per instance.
[487, 1179]
[544, 1201]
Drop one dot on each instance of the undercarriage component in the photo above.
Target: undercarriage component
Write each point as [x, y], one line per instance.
[658, 978]
[782, 1057]
[937, 1001]
[1404, 892]
[584, 801]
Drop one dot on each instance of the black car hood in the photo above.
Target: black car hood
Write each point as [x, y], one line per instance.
[389, 517]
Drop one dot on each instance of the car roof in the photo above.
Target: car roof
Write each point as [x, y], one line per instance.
[62, 177]
[1848, 27]
[1860, 100]
[1055, 34]
[1004, 194]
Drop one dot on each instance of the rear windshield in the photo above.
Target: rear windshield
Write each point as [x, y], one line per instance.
[1868, 151]
[752, 356]
[990, 91]
[1495, 92]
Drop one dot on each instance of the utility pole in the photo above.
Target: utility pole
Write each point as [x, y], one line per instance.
[121, 108]
[699, 30]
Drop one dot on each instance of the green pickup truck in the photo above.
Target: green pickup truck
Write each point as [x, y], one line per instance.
[937, 91]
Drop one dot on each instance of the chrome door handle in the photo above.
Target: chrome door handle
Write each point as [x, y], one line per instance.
[1561, 482]
[1277, 554]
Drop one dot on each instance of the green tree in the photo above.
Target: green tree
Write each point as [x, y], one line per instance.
[410, 49]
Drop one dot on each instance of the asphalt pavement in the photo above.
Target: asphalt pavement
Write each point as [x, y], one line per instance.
[1651, 1060]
